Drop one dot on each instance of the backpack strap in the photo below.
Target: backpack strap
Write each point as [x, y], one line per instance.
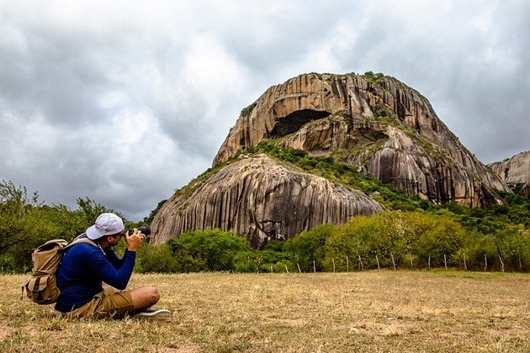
[82, 238]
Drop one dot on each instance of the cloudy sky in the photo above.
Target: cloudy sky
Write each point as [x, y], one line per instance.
[125, 102]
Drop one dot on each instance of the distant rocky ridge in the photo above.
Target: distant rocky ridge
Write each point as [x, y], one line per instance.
[373, 122]
[515, 171]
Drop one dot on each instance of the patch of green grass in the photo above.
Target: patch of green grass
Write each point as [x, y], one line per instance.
[247, 110]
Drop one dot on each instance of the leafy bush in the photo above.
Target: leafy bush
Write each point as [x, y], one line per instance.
[156, 259]
[370, 75]
[247, 110]
[275, 256]
[308, 247]
[439, 239]
[279, 261]
[370, 241]
[248, 261]
[207, 250]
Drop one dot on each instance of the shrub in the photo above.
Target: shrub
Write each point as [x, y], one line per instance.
[308, 246]
[248, 261]
[156, 259]
[207, 250]
[247, 110]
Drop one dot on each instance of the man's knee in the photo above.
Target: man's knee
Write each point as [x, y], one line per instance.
[145, 297]
[154, 294]
[150, 295]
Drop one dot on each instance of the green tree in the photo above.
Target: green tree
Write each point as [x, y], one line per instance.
[156, 259]
[439, 240]
[18, 224]
[476, 250]
[343, 245]
[207, 250]
[26, 223]
[248, 261]
[88, 210]
[309, 246]
[367, 242]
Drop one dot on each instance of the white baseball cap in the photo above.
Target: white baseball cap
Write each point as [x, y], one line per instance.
[106, 224]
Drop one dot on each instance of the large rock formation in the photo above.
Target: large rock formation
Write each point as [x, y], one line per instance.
[515, 172]
[260, 199]
[376, 123]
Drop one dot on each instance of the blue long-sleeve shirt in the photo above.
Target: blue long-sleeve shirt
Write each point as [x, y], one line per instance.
[84, 268]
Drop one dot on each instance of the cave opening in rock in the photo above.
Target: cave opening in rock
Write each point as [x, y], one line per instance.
[294, 121]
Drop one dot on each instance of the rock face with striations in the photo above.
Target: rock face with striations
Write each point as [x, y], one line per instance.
[260, 199]
[515, 171]
[374, 122]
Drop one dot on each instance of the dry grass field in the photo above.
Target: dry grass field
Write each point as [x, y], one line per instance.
[374, 311]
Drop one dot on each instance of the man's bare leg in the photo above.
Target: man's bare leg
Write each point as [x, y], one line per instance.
[145, 297]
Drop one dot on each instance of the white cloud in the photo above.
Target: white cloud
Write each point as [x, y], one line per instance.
[124, 102]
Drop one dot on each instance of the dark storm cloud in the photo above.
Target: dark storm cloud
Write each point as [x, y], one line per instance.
[125, 102]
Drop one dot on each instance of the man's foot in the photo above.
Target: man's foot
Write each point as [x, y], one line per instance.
[160, 314]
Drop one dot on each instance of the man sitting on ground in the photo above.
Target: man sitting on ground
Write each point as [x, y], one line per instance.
[87, 265]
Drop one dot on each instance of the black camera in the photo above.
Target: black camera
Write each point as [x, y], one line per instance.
[144, 230]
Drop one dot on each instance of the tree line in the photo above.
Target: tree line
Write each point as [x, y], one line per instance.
[392, 240]
[412, 234]
[25, 223]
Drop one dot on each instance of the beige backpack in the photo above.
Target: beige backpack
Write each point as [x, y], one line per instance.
[41, 286]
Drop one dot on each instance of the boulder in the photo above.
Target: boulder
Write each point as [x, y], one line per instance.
[261, 199]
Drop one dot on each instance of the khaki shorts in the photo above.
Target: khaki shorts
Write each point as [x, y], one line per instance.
[109, 303]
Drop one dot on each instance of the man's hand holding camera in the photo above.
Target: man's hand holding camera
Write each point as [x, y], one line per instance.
[134, 238]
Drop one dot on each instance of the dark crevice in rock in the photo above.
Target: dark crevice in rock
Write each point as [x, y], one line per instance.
[294, 121]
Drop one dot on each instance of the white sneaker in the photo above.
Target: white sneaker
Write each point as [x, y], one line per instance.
[160, 314]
